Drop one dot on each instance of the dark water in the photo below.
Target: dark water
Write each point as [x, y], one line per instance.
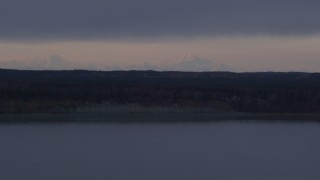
[201, 151]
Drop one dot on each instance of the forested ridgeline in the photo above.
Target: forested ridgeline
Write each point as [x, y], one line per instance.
[71, 91]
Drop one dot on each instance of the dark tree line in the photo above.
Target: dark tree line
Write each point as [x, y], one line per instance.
[49, 91]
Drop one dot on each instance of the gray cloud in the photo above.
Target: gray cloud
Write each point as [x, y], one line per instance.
[113, 19]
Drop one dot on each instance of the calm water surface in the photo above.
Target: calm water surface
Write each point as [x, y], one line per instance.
[177, 151]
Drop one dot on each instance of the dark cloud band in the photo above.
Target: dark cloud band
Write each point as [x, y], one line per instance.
[112, 19]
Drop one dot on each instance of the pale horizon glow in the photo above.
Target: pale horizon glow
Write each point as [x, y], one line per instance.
[242, 53]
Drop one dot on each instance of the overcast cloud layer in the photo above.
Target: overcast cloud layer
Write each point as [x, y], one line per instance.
[115, 19]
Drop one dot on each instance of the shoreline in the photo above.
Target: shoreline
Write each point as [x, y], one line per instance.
[159, 117]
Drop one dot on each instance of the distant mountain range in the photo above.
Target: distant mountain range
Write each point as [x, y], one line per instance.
[53, 62]
[56, 62]
[187, 63]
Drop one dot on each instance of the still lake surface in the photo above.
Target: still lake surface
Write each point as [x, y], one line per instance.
[160, 151]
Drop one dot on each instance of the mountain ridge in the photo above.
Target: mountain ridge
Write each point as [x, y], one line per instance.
[56, 62]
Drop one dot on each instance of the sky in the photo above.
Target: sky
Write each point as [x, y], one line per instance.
[247, 35]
